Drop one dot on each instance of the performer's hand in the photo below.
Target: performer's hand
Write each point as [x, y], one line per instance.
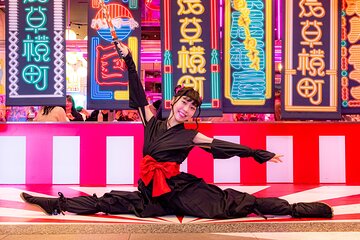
[123, 48]
[276, 159]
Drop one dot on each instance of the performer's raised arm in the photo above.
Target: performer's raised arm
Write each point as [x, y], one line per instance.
[223, 149]
[137, 94]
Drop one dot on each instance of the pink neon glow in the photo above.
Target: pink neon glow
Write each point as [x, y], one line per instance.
[278, 15]
[277, 52]
[153, 5]
[221, 18]
[167, 22]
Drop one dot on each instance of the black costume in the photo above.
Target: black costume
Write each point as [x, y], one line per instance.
[77, 116]
[189, 195]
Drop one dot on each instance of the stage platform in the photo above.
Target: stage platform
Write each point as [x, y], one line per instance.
[18, 218]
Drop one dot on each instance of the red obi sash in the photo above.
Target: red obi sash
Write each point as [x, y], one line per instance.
[150, 169]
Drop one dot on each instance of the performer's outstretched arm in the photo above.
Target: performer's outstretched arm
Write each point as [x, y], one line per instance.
[223, 149]
[137, 94]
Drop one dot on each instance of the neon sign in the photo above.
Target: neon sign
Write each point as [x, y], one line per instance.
[311, 60]
[107, 78]
[248, 56]
[189, 59]
[350, 56]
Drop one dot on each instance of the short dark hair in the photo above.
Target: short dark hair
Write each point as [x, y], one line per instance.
[190, 93]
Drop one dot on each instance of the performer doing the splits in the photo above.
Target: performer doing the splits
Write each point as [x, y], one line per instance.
[163, 189]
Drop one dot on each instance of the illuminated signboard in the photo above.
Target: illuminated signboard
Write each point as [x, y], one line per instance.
[350, 56]
[35, 46]
[248, 61]
[190, 51]
[107, 73]
[311, 60]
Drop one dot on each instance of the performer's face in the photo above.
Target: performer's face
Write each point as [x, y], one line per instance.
[68, 105]
[183, 109]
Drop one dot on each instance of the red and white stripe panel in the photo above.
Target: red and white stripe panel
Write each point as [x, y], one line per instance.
[65, 164]
[100, 154]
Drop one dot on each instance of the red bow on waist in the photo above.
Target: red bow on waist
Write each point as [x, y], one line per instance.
[150, 169]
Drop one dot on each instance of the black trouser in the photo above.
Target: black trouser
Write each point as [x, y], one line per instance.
[119, 203]
[273, 206]
[201, 203]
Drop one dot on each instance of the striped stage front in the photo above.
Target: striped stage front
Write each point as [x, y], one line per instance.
[97, 154]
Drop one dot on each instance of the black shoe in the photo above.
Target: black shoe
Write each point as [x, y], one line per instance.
[311, 210]
[50, 206]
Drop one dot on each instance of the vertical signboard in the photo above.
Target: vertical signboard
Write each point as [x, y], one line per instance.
[248, 57]
[311, 60]
[35, 46]
[190, 51]
[107, 74]
[350, 56]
